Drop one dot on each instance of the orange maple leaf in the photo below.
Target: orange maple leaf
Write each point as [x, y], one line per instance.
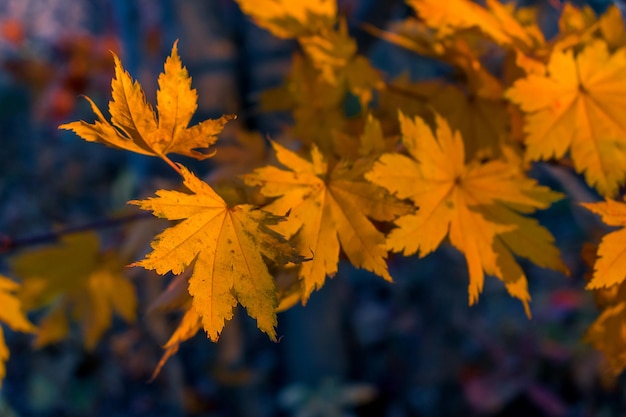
[189, 326]
[291, 18]
[610, 267]
[135, 126]
[226, 247]
[333, 53]
[477, 205]
[328, 207]
[314, 101]
[579, 25]
[612, 27]
[176, 297]
[74, 279]
[12, 315]
[578, 106]
[608, 332]
[482, 121]
[330, 49]
[608, 335]
[495, 21]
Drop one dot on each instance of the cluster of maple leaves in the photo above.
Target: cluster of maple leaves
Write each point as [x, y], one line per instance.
[420, 162]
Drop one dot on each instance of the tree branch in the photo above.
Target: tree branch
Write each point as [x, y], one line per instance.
[8, 244]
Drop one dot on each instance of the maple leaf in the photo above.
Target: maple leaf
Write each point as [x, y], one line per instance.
[176, 297]
[361, 78]
[608, 283]
[462, 52]
[333, 53]
[602, 297]
[610, 267]
[226, 246]
[244, 152]
[369, 144]
[134, 123]
[13, 316]
[579, 26]
[189, 326]
[289, 289]
[448, 33]
[578, 106]
[477, 205]
[612, 27]
[412, 34]
[330, 50]
[575, 19]
[607, 334]
[450, 16]
[291, 18]
[74, 279]
[314, 101]
[372, 141]
[482, 121]
[317, 103]
[329, 207]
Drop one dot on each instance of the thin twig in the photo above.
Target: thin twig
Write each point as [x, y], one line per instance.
[406, 92]
[8, 244]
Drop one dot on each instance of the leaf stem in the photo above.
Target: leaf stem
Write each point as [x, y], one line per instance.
[8, 244]
[403, 91]
[172, 164]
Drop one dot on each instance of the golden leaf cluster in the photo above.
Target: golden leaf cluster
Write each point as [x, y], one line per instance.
[370, 166]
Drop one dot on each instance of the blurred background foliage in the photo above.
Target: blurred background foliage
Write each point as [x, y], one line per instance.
[361, 347]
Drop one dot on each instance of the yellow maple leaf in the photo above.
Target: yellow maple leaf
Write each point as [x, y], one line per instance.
[238, 155]
[134, 123]
[361, 79]
[12, 315]
[333, 52]
[607, 281]
[578, 106]
[369, 142]
[613, 28]
[328, 208]
[74, 280]
[289, 289]
[482, 121]
[315, 103]
[190, 324]
[448, 33]
[608, 335]
[372, 141]
[448, 17]
[477, 205]
[575, 19]
[226, 246]
[176, 297]
[579, 26]
[461, 51]
[291, 18]
[330, 50]
[610, 267]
